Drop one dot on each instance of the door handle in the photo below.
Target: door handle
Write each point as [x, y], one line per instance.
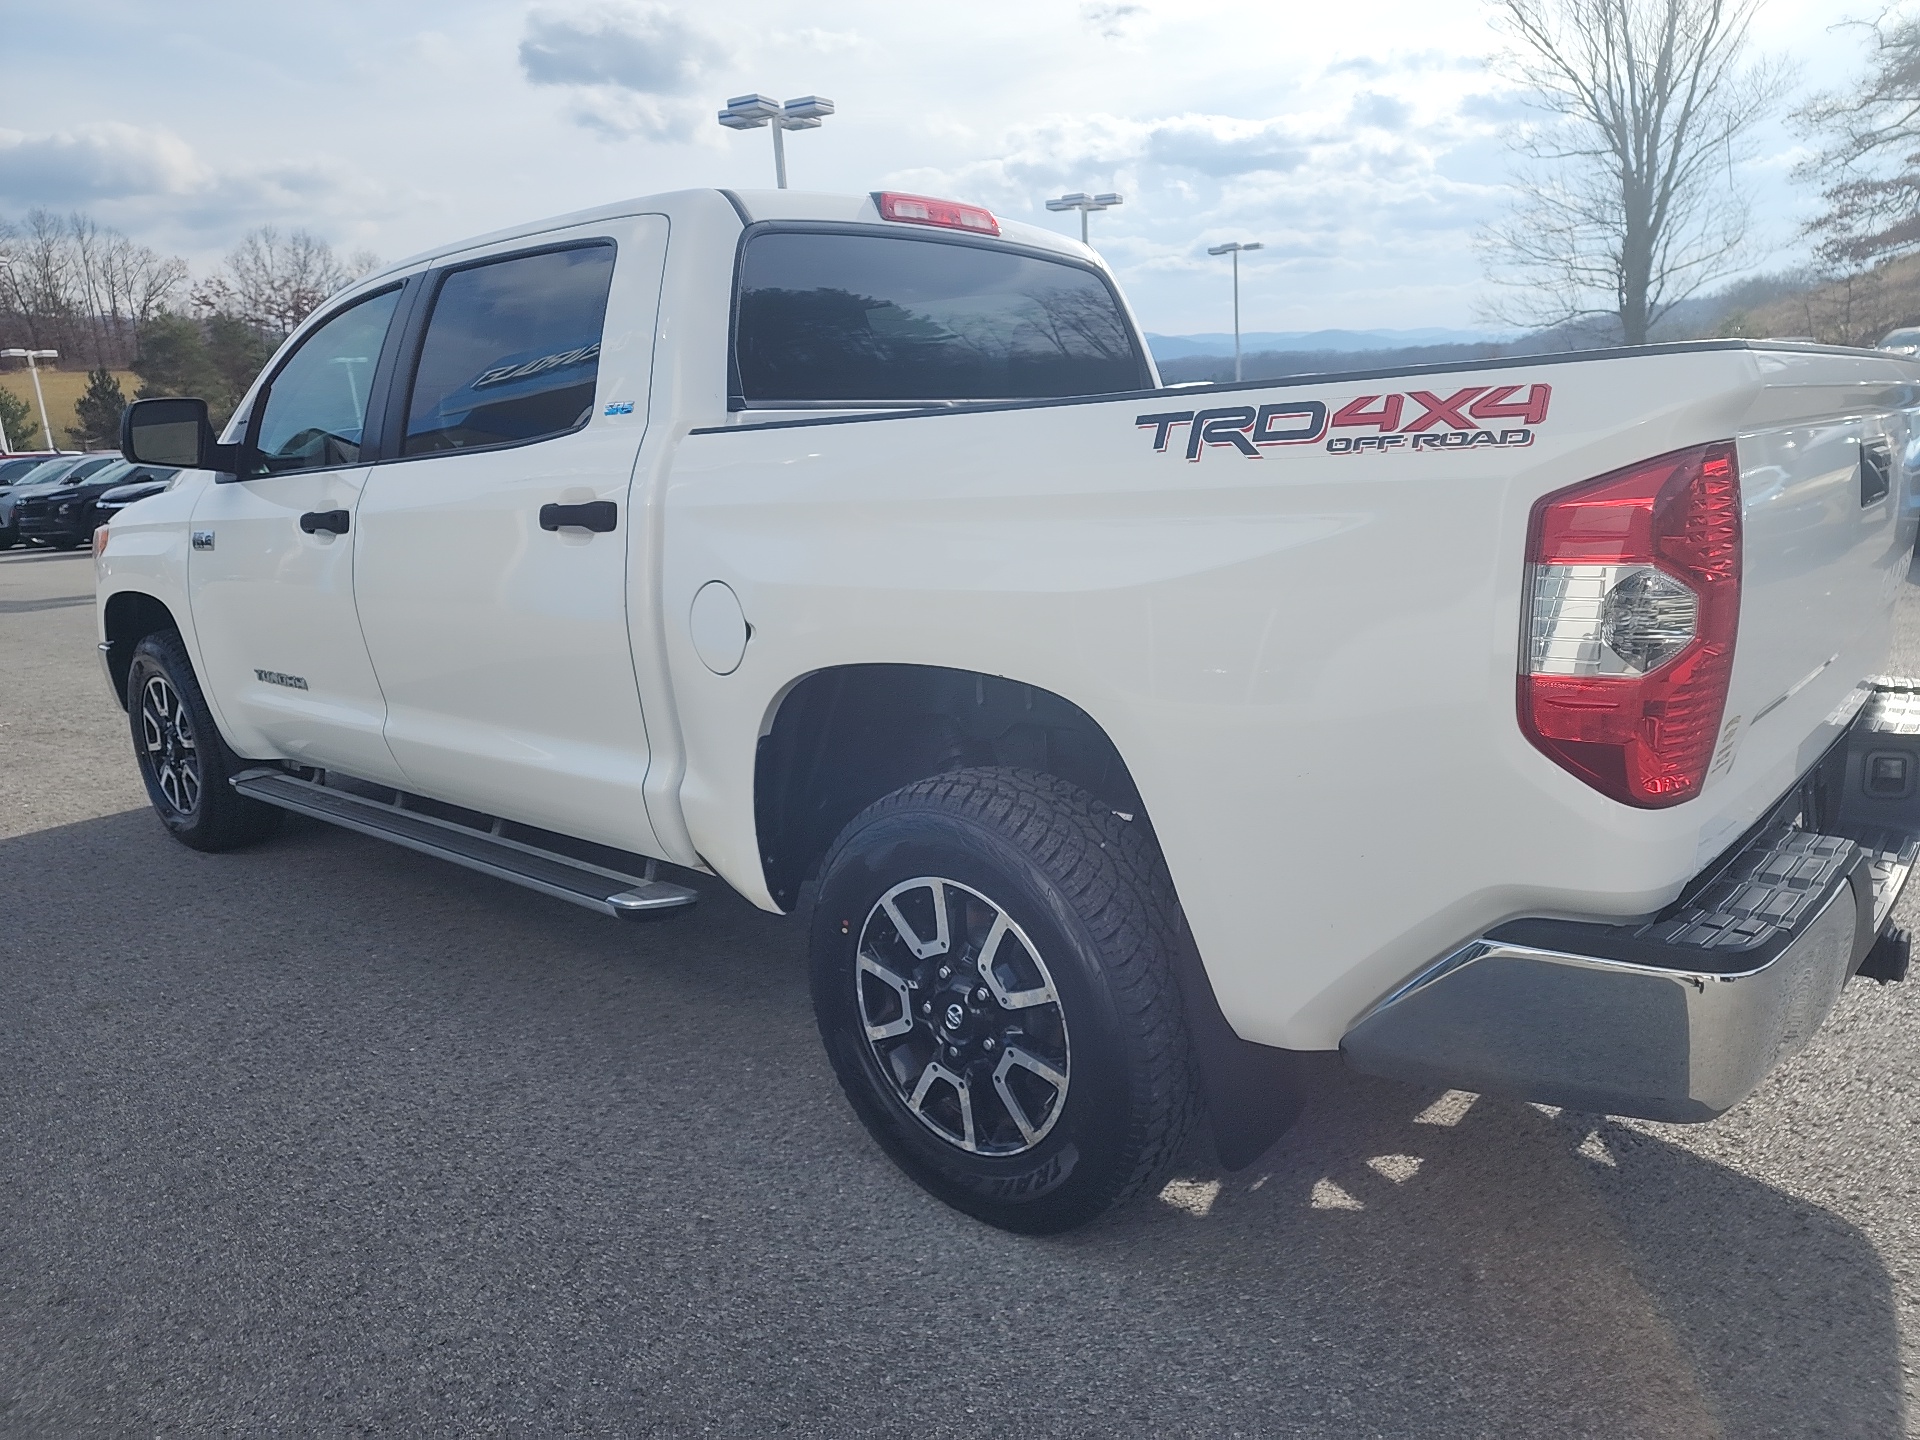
[596, 515]
[334, 522]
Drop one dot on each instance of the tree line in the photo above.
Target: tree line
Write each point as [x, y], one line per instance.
[102, 300]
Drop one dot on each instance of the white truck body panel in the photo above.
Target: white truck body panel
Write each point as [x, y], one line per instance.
[505, 663]
[1307, 659]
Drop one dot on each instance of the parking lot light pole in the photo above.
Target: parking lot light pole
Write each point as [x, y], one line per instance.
[750, 112]
[1085, 204]
[1234, 250]
[38, 394]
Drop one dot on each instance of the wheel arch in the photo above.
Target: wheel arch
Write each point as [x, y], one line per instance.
[840, 738]
[130, 616]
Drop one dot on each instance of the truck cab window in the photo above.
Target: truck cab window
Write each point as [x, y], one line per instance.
[512, 351]
[316, 407]
[848, 317]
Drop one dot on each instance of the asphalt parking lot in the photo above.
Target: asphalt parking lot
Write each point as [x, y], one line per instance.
[328, 1137]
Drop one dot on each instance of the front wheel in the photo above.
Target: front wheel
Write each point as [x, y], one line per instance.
[992, 969]
[182, 759]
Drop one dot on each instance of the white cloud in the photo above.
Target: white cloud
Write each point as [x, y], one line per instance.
[644, 48]
[627, 63]
[154, 183]
[105, 161]
[1111, 20]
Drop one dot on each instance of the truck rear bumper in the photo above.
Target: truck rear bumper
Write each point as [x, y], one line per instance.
[1679, 1017]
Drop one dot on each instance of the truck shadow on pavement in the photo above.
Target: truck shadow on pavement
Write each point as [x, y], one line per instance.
[328, 1136]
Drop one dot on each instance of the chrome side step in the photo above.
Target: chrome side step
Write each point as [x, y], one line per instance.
[610, 892]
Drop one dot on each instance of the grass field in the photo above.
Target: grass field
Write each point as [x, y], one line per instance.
[63, 387]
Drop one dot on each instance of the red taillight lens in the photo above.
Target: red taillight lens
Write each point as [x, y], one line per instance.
[923, 210]
[1633, 592]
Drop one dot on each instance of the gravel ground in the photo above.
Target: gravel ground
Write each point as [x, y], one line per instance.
[330, 1137]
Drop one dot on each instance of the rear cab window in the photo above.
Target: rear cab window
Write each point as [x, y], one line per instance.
[839, 317]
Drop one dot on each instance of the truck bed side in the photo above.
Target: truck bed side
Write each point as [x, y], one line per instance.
[1305, 654]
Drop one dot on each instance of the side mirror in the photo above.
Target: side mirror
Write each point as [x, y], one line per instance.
[173, 432]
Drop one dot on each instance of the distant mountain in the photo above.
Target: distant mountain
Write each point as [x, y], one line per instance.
[1182, 347]
[1854, 311]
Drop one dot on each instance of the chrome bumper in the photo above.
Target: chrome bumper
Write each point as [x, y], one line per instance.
[1610, 1036]
[1679, 1017]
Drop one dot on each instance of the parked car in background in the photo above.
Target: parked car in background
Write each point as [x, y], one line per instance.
[63, 515]
[61, 470]
[1902, 342]
[116, 498]
[15, 467]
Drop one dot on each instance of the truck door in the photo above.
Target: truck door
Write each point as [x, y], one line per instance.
[270, 571]
[493, 550]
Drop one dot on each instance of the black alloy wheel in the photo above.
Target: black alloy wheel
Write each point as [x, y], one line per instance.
[992, 971]
[183, 761]
[167, 749]
[961, 1014]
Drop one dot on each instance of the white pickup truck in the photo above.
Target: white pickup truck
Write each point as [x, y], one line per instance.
[1511, 726]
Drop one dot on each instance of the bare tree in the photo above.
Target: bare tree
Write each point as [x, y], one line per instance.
[1629, 203]
[39, 279]
[275, 281]
[1870, 169]
[141, 281]
[80, 288]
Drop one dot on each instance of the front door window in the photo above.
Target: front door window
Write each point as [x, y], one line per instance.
[316, 409]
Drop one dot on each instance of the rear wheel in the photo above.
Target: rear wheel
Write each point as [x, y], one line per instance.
[182, 759]
[992, 967]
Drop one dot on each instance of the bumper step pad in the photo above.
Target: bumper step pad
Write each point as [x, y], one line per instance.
[1768, 891]
[1748, 911]
[611, 892]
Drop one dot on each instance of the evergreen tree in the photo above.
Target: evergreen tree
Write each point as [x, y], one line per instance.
[216, 359]
[239, 350]
[98, 410]
[16, 418]
[173, 360]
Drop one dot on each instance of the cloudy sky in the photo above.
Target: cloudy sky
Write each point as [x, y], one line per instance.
[1360, 142]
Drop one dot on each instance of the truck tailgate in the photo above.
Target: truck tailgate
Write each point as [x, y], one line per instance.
[1824, 490]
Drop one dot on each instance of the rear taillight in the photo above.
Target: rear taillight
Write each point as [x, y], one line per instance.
[1633, 599]
[925, 210]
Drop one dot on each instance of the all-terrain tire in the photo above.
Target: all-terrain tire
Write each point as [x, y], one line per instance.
[182, 758]
[1086, 913]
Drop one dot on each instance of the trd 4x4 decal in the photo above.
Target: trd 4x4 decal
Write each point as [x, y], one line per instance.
[1431, 422]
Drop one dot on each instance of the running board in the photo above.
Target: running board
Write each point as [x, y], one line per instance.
[608, 891]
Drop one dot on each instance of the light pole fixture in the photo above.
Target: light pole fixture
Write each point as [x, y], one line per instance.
[8, 264]
[1085, 204]
[30, 356]
[750, 112]
[1234, 250]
